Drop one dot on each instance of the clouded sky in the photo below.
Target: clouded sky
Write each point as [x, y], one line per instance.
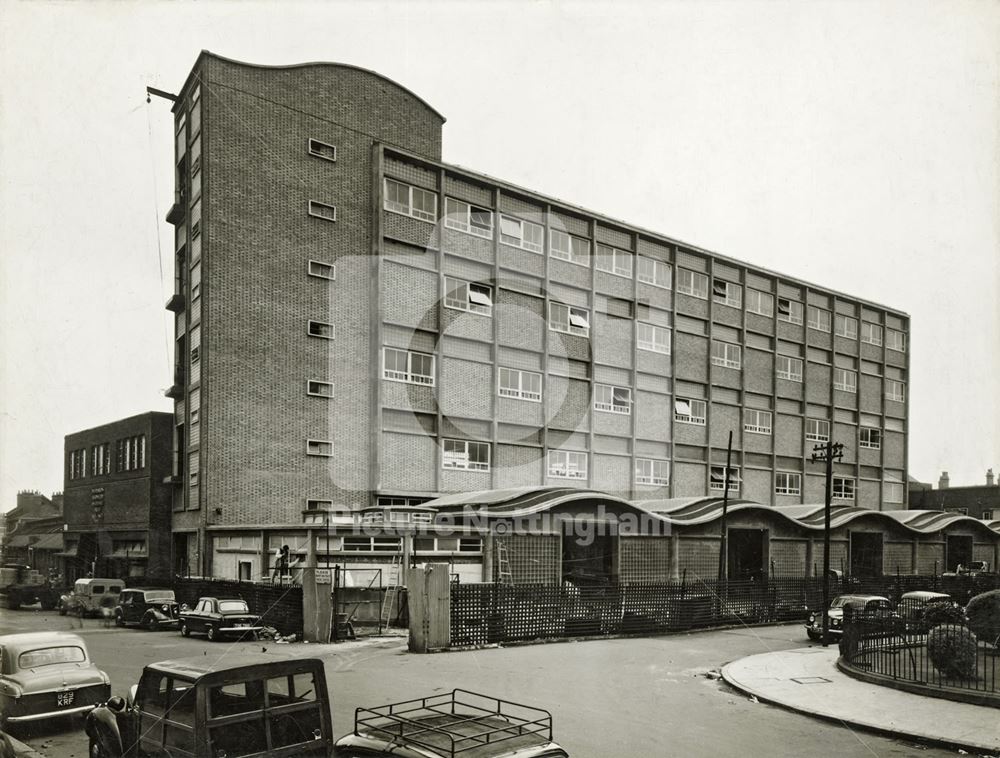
[854, 145]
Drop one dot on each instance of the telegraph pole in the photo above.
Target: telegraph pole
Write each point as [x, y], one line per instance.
[723, 556]
[827, 453]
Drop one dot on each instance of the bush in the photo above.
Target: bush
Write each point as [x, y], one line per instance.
[983, 612]
[952, 650]
[935, 614]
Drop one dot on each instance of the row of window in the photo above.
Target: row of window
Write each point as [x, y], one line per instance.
[130, 455]
[418, 368]
[472, 219]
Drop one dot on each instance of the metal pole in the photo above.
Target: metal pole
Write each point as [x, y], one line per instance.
[826, 544]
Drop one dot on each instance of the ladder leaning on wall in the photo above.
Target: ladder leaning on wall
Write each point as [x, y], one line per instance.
[391, 592]
[504, 575]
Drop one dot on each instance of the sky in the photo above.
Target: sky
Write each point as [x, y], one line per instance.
[853, 145]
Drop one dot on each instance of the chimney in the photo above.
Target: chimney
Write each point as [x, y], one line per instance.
[943, 481]
[989, 477]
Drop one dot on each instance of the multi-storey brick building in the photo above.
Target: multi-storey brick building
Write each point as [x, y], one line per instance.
[117, 499]
[361, 324]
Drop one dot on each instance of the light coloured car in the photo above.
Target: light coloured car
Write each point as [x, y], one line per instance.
[92, 597]
[912, 604]
[46, 675]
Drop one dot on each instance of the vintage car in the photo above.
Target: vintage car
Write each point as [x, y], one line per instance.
[262, 706]
[862, 607]
[46, 675]
[151, 609]
[90, 597]
[449, 724]
[220, 617]
[912, 605]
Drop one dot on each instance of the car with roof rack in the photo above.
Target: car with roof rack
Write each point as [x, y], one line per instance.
[456, 724]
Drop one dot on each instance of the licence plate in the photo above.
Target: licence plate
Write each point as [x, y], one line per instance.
[241, 626]
[65, 698]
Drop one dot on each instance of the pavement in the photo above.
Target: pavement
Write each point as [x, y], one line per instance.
[807, 680]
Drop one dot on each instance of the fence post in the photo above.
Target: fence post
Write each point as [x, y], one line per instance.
[429, 605]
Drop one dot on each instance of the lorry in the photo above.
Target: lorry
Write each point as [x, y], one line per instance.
[22, 585]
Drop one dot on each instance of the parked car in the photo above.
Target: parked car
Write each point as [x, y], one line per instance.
[219, 617]
[260, 706]
[912, 605]
[90, 596]
[862, 606]
[974, 568]
[151, 609]
[448, 724]
[46, 675]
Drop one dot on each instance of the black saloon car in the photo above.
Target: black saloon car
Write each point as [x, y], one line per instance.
[149, 608]
[219, 617]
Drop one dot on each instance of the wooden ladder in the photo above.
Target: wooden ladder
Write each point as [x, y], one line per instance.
[504, 575]
[391, 592]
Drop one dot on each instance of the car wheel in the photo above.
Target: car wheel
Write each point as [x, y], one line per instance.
[95, 750]
[62, 609]
[213, 634]
[814, 636]
[185, 632]
[119, 620]
[151, 624]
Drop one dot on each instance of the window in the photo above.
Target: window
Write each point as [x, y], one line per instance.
[692, 283]
[524, 385]
[870, 438]
[612, 399]
[468, 296]
[322, 150]
[569, 319]
[407, 366]
[77, 464]
[758, 422]
[356, 543]
[100, 459]
[787, 483]
[131, 453]
[726, 354]
[717, 475]
[689, 411]
[322, 210]
[468, 218]
[320, 329]
[564, 464]
[322, 270]
[319, 447]
[727, 293]
[649, 471]
[843, 488]
[987, 515]
[614, 261]
[319, 388]
[789, 310]
[895, 390]
[817, 430]
[654, 272]
[523, 234]
[895, 340]
[871, 333]
[654, 338]
[410, 201]
[759, 302]
[819, 319]
[195, 354]
[466, 455]
[789, 368]
[845, 326]
[569, 248]
[846, 380]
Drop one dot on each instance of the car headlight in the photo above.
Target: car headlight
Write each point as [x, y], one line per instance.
[164, 608]
[812, 619]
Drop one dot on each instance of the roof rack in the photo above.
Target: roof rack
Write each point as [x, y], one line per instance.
[455, 722]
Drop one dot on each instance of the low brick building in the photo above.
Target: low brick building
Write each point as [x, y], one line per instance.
[33, 532]
[980, 501]
[117, 503]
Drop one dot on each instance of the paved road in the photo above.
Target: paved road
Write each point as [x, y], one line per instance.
[627, 697]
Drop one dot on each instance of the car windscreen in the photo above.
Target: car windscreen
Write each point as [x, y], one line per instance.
[47, 656]
[231, 606]
[160, 597]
